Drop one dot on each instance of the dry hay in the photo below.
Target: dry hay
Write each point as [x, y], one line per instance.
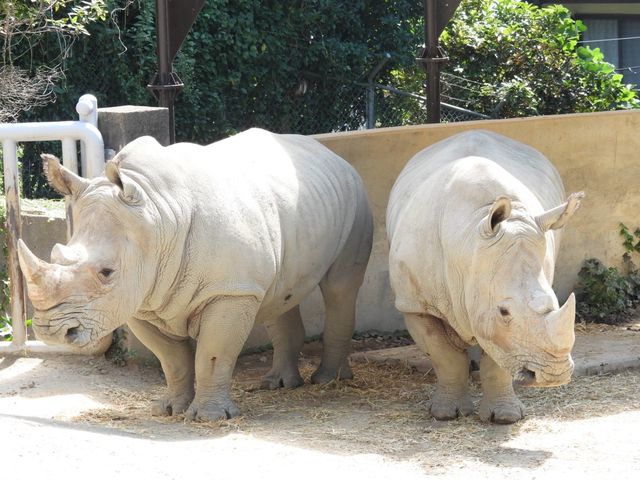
[383, 410]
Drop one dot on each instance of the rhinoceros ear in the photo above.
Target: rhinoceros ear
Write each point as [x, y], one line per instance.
[500, 211]
[130, 191]
[559, 216]
[61, 179]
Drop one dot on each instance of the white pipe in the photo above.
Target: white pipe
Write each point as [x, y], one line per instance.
[51, 131]
[12, 198]
[87, 108]
[70, 154]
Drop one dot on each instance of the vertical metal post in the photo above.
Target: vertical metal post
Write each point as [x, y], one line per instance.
[166, 84]
[371, 91]
[70, 154]
[87, 108]
[430, 60]
[13, 232]
[371, 106]
[433, 67]
[165, 96]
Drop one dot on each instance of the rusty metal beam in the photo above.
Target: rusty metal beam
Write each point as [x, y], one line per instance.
[436, 16]
[174, 19]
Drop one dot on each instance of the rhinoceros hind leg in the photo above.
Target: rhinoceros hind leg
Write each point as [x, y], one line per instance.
[287, 335]
[451, 397]
[176, 357]
[499, 402]
[340, 287]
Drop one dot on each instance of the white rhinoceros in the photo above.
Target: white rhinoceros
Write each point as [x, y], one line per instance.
[473, 224]
[200, 242]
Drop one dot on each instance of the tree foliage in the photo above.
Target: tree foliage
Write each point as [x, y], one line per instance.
[28, 26]
[289, 66]
[525, 60]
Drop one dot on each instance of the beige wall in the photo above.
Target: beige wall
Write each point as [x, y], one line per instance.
[598, 153]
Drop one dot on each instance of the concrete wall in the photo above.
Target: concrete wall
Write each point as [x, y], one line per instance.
[598, 153]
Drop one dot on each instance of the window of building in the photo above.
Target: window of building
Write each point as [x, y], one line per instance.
[623, 53]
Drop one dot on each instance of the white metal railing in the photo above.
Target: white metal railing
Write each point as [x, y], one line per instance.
[69, 133]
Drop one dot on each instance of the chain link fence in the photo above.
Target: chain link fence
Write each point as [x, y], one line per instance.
[360, 106]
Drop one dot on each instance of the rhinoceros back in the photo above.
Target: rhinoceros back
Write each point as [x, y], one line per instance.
[523, 162]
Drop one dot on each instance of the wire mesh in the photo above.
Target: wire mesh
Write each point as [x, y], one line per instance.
[311, 113]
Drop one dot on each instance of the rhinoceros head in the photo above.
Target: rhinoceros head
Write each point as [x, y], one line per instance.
[96, 282]
[514, 313]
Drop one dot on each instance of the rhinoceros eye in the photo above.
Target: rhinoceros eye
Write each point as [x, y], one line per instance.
[105, 273]
[504, 311]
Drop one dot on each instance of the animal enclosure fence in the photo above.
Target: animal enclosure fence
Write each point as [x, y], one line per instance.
[360, 106]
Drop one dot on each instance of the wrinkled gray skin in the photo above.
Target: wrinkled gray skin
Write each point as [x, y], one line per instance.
[473, 224]
[201, 242]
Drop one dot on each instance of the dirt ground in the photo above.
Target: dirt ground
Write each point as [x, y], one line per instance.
[79, 417]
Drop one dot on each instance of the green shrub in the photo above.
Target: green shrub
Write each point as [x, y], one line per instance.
[606, 294]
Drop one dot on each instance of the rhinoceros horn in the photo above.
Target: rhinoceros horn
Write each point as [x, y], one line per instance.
[559, 216]
[560, 324]
[43, 279]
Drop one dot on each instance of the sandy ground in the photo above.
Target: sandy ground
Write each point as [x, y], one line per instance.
[76, 417]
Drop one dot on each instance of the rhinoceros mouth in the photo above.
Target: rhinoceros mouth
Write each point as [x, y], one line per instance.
[73, 333]
[525, 377]
[531, 376]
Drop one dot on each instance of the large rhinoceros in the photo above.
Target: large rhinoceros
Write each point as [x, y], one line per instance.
[200, 242]
[473, 224]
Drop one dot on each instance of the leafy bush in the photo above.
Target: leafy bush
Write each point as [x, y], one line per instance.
[510, 58]
[605, 294]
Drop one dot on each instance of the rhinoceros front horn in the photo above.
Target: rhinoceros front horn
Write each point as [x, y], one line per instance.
[38, 274]
[560, 325]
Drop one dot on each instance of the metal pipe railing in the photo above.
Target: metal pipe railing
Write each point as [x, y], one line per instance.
[85, 130]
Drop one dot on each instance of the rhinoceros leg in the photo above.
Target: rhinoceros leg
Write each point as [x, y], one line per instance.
[339, 289]
[499, 403]
[176, 358]
[224, 327]
[340, 313]
[287, 335]
[451, 397]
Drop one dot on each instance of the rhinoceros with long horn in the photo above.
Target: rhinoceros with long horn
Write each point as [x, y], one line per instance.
[192, 242]
[474, 228]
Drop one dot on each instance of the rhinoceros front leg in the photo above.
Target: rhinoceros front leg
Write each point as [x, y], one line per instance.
[451, 364]
[176, 358]
[287, 335]
[225, 326]
[499, 403]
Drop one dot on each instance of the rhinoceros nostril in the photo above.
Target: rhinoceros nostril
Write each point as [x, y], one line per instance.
[71, 335]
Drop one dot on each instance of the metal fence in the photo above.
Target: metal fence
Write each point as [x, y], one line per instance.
[360, 106]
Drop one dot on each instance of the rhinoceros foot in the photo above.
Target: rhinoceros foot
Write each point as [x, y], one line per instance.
[279, 379]
[502, 410]
[446, 406]
[325, 375]
[211, 411]
[171, 404]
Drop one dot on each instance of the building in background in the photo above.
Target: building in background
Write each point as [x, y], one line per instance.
[616, 24]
